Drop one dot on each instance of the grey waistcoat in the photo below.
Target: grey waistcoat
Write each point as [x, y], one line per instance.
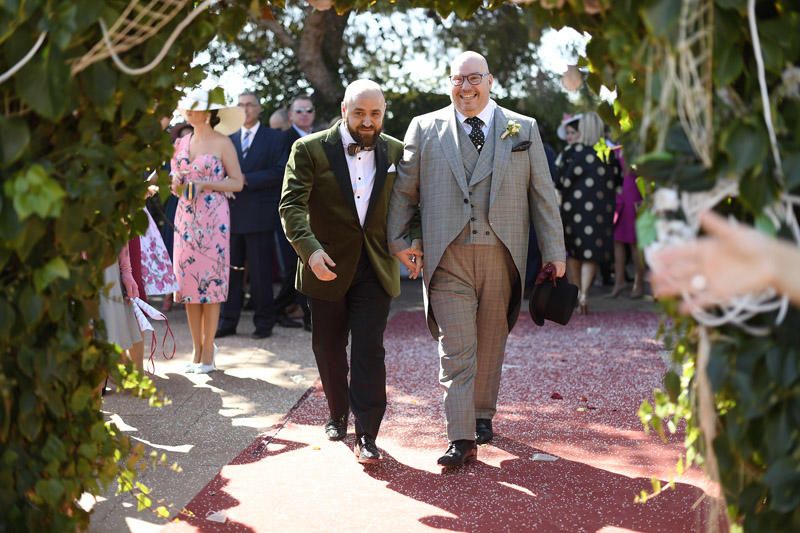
[478, 168]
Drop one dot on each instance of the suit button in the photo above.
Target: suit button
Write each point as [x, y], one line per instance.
[466, 201]
[487, 233]
[472, 219]
[474, 232]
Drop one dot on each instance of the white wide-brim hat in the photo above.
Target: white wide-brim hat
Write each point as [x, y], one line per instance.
[231, 119]
[562, 128]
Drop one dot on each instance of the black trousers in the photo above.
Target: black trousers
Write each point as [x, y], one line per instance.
[258, 249]
[288, 294]
[361, 314]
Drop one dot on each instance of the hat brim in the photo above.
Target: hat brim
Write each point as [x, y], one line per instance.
[562, 128]
[231, 119]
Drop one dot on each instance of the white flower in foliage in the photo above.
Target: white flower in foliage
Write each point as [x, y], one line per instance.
[665, 200]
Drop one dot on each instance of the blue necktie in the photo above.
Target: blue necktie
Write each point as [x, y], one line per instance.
[246, 143]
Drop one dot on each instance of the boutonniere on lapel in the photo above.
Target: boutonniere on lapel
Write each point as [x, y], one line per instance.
[512, 128]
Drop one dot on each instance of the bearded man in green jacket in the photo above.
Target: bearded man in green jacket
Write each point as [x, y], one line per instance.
[333, 208]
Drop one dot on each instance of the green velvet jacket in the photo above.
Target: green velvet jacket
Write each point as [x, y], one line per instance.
[318, 210]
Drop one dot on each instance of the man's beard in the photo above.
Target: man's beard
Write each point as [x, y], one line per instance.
[360, 139]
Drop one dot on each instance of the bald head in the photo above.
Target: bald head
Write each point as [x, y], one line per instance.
[473, 58]
[471, 83]
[363, 108]
[358, 88]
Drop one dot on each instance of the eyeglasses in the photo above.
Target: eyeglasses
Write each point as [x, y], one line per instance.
[474, 79]
[248, 104]
[303, 110]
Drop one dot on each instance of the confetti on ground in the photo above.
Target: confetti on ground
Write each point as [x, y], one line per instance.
[302, 482]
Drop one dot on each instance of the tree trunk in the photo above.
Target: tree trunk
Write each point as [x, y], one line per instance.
[319, 55]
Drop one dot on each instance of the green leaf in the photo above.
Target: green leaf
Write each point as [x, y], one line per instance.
[30, 306]
[43, 83]
[53, 449]
[7, 317]
[646, 228]
[50, 490]
[34, 192]
[14, 139]
[99, 82]
[791, 167]
[661, 18]
[162, 512]
[655, 165]
[728, 64]
[81, 398]
[745, 145]
[54, 269]
[764, 224]
[672, 382]
[29, 419]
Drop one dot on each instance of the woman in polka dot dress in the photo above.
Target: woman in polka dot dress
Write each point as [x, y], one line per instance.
[588, 187]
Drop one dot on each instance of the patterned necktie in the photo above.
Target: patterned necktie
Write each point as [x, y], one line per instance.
[476, 135]
[246, 143]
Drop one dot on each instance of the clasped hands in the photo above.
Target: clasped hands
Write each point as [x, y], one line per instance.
[411, 257]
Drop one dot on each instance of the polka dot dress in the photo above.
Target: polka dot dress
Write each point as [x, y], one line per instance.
[588, 188]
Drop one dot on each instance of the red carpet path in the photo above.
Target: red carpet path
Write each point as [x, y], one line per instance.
[602, 365]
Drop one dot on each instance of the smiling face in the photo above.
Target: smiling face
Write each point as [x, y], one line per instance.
[470, 99]
[363, 113]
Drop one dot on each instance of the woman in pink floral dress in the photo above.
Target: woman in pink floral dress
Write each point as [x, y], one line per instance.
[205, 168]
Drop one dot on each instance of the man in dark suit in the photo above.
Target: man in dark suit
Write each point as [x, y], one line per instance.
[301, 123]
[333, 208]
[262, 156]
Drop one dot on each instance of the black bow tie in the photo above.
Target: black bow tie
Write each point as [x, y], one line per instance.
[354, 148]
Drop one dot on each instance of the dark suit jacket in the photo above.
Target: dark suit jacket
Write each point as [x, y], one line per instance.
[318, 211]
[253, 209]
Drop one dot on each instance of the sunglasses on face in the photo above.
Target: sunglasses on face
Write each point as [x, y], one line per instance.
[304, 110]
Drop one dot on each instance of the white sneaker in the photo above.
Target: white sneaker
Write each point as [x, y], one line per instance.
[190, 367]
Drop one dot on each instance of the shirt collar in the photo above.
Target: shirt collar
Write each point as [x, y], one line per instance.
[301, 133]
[252, 130]
[347, 138]
[486, 115]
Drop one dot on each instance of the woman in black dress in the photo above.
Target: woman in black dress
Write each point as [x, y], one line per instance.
[588, 187]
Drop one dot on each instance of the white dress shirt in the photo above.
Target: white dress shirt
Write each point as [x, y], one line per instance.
[252, 131]
[486, 116]
[362, 173]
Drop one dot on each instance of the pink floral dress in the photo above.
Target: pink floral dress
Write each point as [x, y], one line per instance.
[201, 258]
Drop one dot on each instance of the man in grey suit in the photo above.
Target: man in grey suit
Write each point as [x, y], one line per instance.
[478, 175]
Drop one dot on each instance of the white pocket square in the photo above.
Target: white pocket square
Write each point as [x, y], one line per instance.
[391, 168]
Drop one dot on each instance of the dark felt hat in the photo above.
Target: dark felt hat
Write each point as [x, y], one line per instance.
[552, 300]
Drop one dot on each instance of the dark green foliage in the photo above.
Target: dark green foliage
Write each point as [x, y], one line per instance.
[74, 154]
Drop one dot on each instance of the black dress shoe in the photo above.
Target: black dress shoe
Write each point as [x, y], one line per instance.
[225, 332]
[483, 431]
[459, 453]
[262, 333]
[366, 451]
[336, 428]
[286, 322]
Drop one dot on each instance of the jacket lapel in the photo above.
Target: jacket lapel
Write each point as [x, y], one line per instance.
[381, 166]
[335, 152]
[502, 152]
[448, 136]
[237, 142]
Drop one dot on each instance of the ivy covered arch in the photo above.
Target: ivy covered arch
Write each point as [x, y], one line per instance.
[75, 136]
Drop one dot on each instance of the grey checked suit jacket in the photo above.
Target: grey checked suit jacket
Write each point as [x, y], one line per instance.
[431, 178]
